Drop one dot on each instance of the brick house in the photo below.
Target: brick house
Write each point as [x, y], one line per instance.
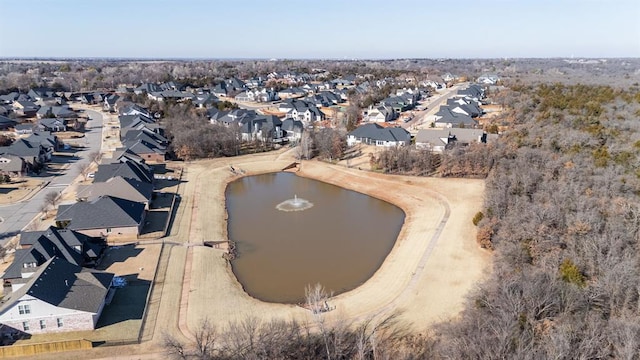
[60, 296]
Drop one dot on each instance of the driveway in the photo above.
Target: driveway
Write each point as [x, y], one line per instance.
[15, 217]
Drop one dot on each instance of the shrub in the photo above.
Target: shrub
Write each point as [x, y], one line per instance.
[570, 273]
[477, 218]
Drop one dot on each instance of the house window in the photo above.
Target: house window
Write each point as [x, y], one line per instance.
[60, 322]
[24, 309]
[43, 324]
[108, 230]
[25, 325]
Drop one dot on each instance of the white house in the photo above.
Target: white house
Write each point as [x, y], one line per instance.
[59, 297]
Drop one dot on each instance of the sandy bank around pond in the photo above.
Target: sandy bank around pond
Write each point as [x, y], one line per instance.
[432, 266]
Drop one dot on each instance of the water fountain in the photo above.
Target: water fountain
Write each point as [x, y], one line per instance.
[295, 204]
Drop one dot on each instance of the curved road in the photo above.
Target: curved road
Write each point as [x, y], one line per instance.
[17, 216]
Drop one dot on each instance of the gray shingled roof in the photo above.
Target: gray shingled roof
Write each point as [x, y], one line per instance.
[40, 246]
[15, 163]
[127, 169]
[65, 285]
[5, 122]
[129, 189]
[103, 212]
[377, 132]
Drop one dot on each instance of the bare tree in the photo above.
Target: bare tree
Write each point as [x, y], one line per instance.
[204, 348]
[51, 199]
[305, 146]
[85, 169]
[317, 297]
[95, 157]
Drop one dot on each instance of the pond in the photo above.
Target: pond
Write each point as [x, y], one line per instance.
[338, 238]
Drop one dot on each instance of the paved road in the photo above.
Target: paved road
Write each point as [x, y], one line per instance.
[424, 118]
[17, 216]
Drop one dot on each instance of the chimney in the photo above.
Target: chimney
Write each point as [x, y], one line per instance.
[66, 283]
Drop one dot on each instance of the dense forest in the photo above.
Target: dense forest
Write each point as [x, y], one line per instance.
[562, 215]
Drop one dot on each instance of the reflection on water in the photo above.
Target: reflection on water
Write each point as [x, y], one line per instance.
[339, 242]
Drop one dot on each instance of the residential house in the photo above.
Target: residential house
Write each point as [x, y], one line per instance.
[465, 107]
[25, 108]
[34, 155]
[245, 96]
[301, 110]
[24, 129]
[488, 79]
[380, 114]
[110, 102]
[267, 127]
[150, 151]
[292, 129]
[41, 93]
[146, 88]
[127, 169]
[13, 165]
[37, 247]
[51, 125]
[291, 93]
[449, 119]
[205, 100]
[174, 95]
[220, 90]
[104, 217]
[235, 84]
[374, 134]
[135, 109]
[6, 123]
[49, 142]
[473, 91]
[265, 95]
[9, 98]
[119, 187]
[60, 296]
[439, 140]
[435, 140]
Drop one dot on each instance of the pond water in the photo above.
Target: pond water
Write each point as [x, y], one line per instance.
[321, 234]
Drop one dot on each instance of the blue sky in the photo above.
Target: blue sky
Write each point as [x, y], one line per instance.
[320, 29]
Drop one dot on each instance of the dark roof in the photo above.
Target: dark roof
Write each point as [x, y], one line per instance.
[14, 164]
[103, 212]
[5, 122]
[292, 125]
[450, 117]
[22, 148]
[44, 138]
[65, 285]
[127, 169]
[377, 132]
[40, 246]
[120, 187]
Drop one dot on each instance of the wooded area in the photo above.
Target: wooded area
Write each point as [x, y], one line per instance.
[562, 214]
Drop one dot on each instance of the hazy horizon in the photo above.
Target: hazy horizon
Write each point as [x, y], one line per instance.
[331, 30]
